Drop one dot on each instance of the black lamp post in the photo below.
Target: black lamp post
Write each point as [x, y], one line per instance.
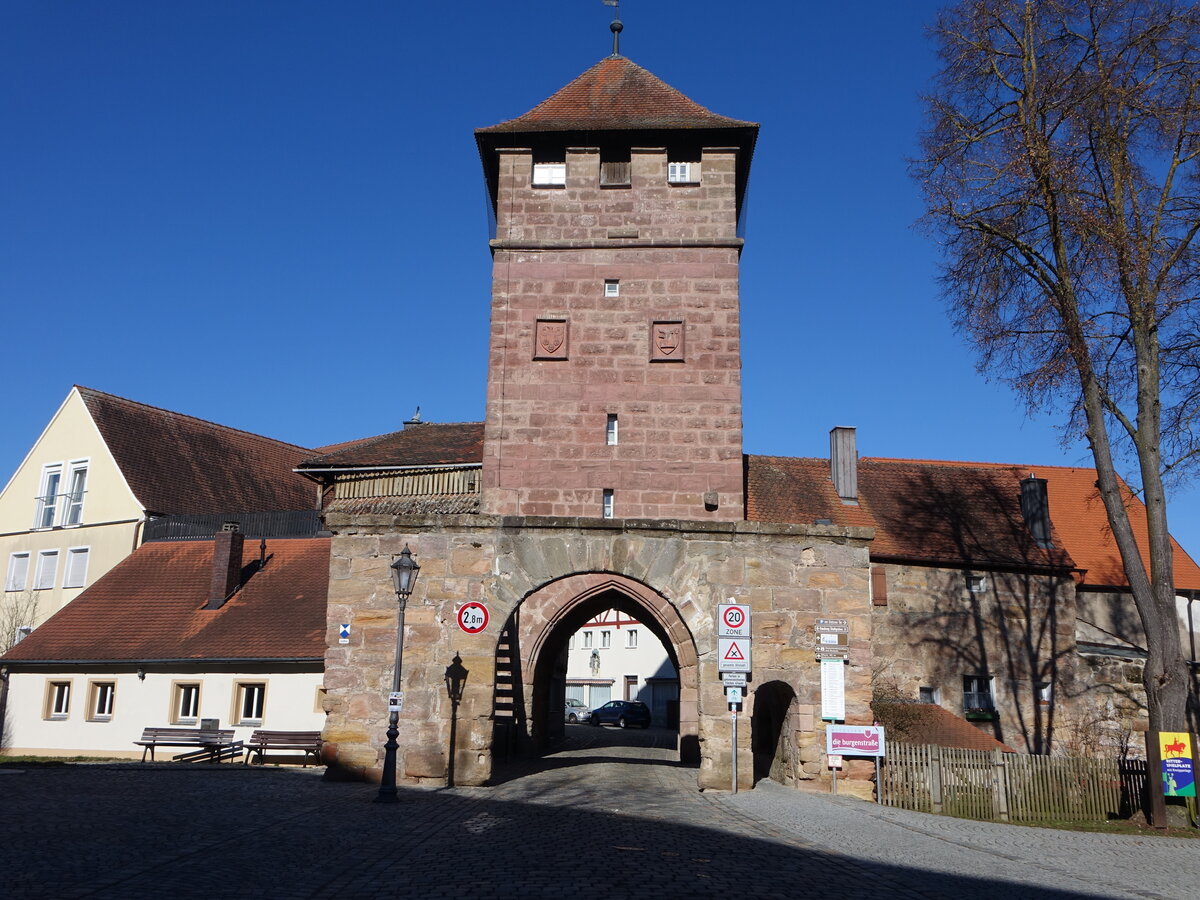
[404, 576]
[456, 679]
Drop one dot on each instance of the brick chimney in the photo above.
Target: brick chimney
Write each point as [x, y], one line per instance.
[843, 463]
[227, 565]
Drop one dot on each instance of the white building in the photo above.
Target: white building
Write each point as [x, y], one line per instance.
[616, 657]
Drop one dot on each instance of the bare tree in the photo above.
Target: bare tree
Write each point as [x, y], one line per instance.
[1060, 172]
[17, 610]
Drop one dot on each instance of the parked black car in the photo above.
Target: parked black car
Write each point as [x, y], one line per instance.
[625, 713]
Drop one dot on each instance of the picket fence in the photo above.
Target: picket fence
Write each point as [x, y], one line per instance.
[978, 784]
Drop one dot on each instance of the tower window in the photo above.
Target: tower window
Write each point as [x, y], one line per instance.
[682, 173]
[615, 174]
[549, 174]
[612, 288]
[608, 503]
[610, 431]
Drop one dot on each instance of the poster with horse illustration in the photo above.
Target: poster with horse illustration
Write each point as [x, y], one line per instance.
[1178, 763]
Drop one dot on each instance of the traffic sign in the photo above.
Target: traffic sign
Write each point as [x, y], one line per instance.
[733, 694]
[735, 679]
[472, 617]
[344, 633]
[733, 620]
[733, 654]
[832, 652]
[395, 701]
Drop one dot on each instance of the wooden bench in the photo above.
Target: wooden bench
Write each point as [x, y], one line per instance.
[305, 742]
[212, 744]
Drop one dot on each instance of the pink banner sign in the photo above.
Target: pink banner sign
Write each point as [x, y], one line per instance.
[854, 740]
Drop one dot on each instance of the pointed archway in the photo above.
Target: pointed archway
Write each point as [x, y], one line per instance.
[535, 636]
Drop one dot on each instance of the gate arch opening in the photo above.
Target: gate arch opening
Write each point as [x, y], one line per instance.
[534, 641]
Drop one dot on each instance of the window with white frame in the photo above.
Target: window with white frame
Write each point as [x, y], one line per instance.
[679, 173]
[60, 501]
[977, 584]
[185, 706]
[608, 503]
[977, 693]
[47, 570]
[75, 573]
[100, 705]
[631, 638]
[610, 430]
[73, 501]
[929, 694]
[612, 287]
[23, 631]
[58, 699]
[549, 174]
[587, 639]
[18, 572]
[250, 697]
[606, 639]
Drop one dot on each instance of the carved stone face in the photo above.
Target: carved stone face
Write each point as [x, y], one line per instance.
[666, 338]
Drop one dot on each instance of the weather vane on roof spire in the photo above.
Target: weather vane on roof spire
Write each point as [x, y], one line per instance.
[616, 25]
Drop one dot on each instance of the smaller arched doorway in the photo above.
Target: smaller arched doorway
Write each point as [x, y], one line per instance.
[532, 648]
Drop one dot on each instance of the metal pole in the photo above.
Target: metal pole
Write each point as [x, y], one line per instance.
[387, 782]
[733, 712]
[878, 783]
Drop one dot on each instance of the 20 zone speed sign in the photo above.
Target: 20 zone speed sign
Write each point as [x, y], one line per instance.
[472, 617]
[733, 620]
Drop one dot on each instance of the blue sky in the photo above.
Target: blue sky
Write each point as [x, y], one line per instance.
[272, 214]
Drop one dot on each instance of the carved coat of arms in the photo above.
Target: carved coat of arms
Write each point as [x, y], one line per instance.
[551, 336]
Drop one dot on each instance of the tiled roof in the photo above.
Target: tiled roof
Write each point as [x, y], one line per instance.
[616, 95]
[928, 723]
[1082, 524]
[427, 444]
[180, 465]
[920, 512]
[150, 607]
[945, 511]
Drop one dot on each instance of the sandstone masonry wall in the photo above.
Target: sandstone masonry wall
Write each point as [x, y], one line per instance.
[659, 349]
[790, 575]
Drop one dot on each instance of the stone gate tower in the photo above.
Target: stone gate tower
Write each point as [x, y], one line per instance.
[614, 384]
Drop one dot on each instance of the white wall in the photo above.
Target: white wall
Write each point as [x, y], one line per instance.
[648, 660]
[291, 703]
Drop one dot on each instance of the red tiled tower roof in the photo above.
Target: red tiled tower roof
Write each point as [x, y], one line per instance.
[180, 465]
[150, 607]
[616, 94]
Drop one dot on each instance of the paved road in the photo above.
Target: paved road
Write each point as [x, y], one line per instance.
[609, 815]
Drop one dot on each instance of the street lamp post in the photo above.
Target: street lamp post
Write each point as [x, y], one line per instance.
[404, 576]
[456, 679]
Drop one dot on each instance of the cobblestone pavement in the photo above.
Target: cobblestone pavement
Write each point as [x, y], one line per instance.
[608, 815]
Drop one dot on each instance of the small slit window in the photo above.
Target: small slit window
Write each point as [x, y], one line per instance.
[679, 173]
[977, 584]
[549, 174]
[615, 174]
[608, 503]
[610, 430]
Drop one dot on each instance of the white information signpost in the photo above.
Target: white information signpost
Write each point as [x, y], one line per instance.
[733, 662]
